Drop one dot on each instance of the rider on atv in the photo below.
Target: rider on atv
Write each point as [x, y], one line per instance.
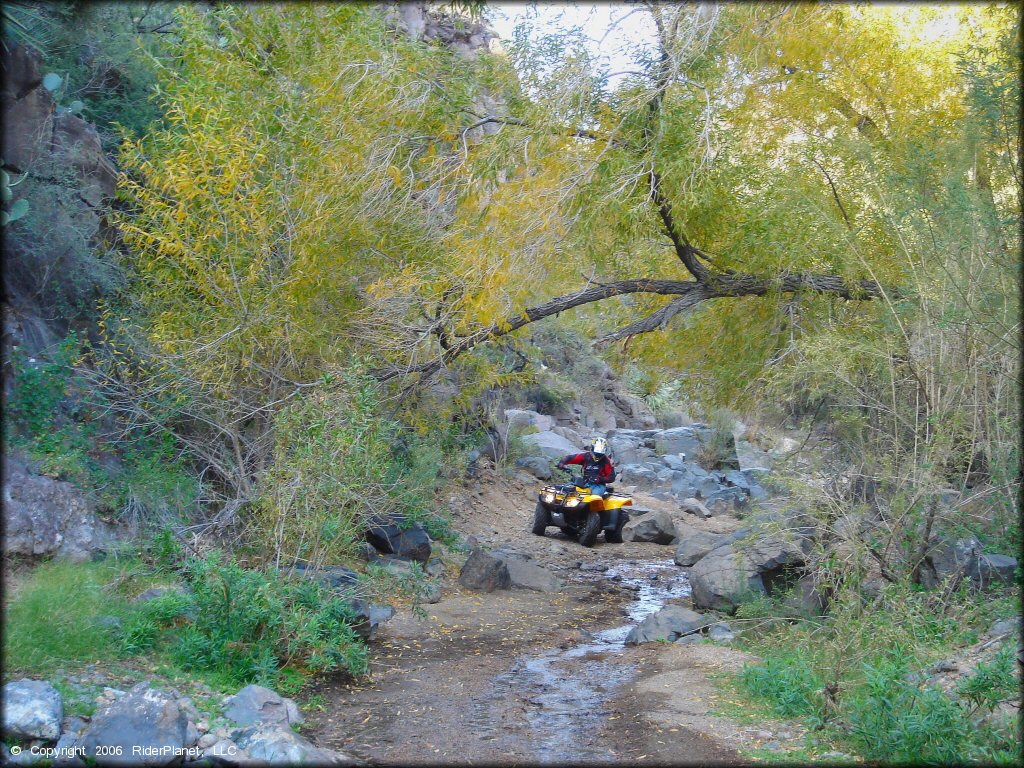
[597, 467]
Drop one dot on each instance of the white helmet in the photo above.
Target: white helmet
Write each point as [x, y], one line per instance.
[600, 446]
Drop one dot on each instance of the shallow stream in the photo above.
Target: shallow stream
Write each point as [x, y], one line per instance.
[566, 691]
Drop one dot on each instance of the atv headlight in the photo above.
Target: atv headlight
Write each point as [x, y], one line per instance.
[572, 502]
[548, 498]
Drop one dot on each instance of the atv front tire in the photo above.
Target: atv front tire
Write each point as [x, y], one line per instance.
[541, 519]
[590, 529]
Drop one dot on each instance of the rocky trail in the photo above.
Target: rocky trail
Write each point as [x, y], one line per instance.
[528, 677]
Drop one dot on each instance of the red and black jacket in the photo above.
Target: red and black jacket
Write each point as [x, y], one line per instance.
[596, 469]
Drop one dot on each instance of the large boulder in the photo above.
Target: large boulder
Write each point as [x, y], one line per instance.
[669, 624]
[521, 419]
[484, 573]
[730, 573]
[278, 744]
[44, 517]
[256, 704]
[148, 725]
[656, 528]
[391, 535]
[680, 440]
[33, 709]
[529, 576]
[638, 475]
[694, 543]
[963, 558]
[549, 444]
[538, 466]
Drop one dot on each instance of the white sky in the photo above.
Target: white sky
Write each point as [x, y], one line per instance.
[612, 28]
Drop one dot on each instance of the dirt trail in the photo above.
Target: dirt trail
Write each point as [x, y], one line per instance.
[525, 677]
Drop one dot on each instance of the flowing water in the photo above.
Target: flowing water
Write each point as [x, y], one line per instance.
[566, 691]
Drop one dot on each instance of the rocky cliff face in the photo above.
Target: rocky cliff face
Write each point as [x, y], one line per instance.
[53, 261]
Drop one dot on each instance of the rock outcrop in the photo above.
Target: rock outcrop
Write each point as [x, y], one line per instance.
[44, 517]
[732, 572]
[33, 709]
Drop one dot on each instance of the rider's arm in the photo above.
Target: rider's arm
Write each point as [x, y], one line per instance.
[578, 458]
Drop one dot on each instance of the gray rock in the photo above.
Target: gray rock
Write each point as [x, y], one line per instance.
[696, 637]
[369, 617]
[191, 735]
[391, 535]
[273, 743]
[694, 543]
[206, 741]
[721, 632]
[657, 528]
[521, 419]
[638, 475]
[333, 577]
[44, 517]
[670, 623]
[674, 461]
[538, 466]
[484, 573]
[751, 457]
[997, 569]
[146, 718]
[256, 704]
[225, 752]
[1006, 627]
[679, 440]
[728, 574]
[807, 598]
[694, 507]
[33, 709]
[726, 500]
[529, 576]
[549, 444]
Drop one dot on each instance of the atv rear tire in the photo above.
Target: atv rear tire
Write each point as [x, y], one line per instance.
[541, 519]
[590, 529]
[614, 536]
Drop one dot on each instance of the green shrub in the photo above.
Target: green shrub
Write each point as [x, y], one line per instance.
[788, 682]
[992, 681]
[250, 624]
[892, 719]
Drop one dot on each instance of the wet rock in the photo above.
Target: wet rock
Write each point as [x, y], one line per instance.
[670, 623]
[595, 567]
[33, 709]
[256, 704]
[273, 743]
[484, 573]
[392, 536]
[529, 576]
[145, 717]
[657, 528]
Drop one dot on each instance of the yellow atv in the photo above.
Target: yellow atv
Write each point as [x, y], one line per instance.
[580, 513]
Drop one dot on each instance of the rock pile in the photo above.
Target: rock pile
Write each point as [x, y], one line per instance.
[155, 727]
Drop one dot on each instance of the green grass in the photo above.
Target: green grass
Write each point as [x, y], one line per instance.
[51, 620]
